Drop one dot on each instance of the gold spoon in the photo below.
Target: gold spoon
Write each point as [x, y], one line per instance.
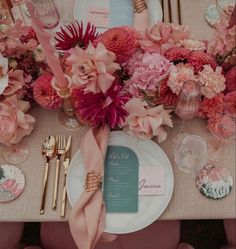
[48, 151]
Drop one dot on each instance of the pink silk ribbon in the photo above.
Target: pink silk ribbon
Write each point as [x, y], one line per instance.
[87, 218]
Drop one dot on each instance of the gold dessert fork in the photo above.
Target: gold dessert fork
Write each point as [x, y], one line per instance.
[61, 148]
[48, 152]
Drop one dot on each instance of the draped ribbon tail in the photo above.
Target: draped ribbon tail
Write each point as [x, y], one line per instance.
[87, 218]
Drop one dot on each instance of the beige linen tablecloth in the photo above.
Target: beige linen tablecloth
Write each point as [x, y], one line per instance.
[186, 202]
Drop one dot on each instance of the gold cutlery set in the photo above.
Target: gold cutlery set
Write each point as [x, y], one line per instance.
[58, 147]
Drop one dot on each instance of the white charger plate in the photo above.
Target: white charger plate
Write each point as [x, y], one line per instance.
[150, 207]
[82, 6]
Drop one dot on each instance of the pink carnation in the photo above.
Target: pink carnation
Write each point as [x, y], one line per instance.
[44, 94]
[231, 79]
[178, 75]
[210, 107]
[230, 103]
[101, 108]
[199, 58]
[120, 40]
[212, 82]
[223, 126]
[178, 54]
[131, 64]
[148, 73]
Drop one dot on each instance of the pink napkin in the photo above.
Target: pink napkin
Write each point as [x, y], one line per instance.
[87, 218]
[141, 20]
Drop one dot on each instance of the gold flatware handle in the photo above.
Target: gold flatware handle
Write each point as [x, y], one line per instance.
[45, 183]
[55, 189]
[63, 201]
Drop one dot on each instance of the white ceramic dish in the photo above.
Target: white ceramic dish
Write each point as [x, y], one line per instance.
[150, 207]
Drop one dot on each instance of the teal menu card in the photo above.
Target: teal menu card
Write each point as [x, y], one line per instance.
[121, 180]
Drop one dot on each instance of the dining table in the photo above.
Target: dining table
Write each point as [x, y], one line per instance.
[186, 202]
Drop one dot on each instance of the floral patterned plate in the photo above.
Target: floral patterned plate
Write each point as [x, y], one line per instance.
[214, 182]
[12, 183]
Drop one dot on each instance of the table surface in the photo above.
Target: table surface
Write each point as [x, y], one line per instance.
[186, 202]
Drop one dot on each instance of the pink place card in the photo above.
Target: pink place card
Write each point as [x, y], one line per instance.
[151, 180]
[99, 17]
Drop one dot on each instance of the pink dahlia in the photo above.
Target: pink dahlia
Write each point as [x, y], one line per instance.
[231, 79]
[210, 107]
[120, 41]
[177, 55]
[230, 103]
[212, 82]
[73, 34]
[101, 108]
[199, 58]
[44, 94]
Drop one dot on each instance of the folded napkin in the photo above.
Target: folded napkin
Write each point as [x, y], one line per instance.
[87, 218]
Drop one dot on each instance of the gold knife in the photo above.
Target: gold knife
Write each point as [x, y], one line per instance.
[66, 163]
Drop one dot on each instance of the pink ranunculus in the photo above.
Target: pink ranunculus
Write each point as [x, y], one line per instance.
[92, 69]
[179, 32]
[178, 75]
[193, 44]
[15, 82]
[212, 82]
[123, 41]
[153, 68]
[144, 122]
[231, 79]
[157, 39]
[222, 126]
[44, 94]
[20, 124]
[230, 103]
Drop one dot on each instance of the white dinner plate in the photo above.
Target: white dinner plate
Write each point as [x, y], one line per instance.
[149, 207]
[81, 10]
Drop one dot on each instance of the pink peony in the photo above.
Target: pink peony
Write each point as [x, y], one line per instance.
[179, 32]
[222, 126]
[44, 94]
[230, 103]
[212, 82]
[199, 58]
[101, 108]
[120, 40]
[210, 107]
[92, 69]
[148, 73]
[15, 124]
[15, 82]
[157, 39]
[144, 122]
[231, 79]
[177, 54]
[178, 75]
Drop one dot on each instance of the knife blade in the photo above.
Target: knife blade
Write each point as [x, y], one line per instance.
[66, 163]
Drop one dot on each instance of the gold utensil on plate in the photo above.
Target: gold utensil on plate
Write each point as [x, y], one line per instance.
[66, 167]
[48, 151]
[61, 148]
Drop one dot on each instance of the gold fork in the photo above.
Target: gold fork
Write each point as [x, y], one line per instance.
[61, 147]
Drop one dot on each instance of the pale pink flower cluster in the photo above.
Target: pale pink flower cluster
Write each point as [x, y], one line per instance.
[148, 73]
[144, 122]
[212, 82]
[161, 37]
[193, 44]
[14, 123]
[223, 40]
[92, 68]
[178, 75]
